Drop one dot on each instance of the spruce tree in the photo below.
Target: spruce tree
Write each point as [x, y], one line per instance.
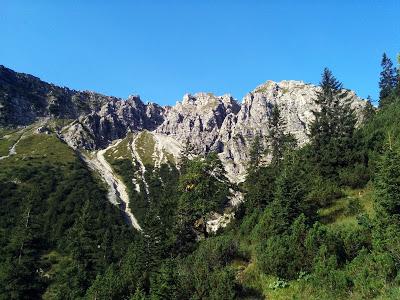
[278, 140]
[153, 238]
[369, 110]
[256, 151]
[164, 282]
[332, 131]
[388, 81]
[397, 91]
[23, 281]
[204, 177]
[259, 180]
[387, 183]
[187, 152]
[290, 191]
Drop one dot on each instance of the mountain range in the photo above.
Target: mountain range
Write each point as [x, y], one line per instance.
[207, 122]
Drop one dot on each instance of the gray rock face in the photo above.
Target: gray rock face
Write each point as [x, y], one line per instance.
[198, 119]
[25, 98]
[113, 121]
[208, 122]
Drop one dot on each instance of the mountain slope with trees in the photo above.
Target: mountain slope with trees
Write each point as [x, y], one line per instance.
[320, 221]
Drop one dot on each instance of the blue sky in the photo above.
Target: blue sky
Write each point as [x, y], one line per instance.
[164, 49]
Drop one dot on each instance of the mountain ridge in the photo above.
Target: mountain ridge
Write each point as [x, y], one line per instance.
[206, 121]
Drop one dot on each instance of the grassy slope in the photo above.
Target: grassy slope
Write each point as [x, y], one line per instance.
[145, 145]
[120, 158]
[35, 149]
[39, 155]
[7, 138]
[340, 212]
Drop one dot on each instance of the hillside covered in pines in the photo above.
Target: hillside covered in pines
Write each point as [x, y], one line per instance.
[320, 220]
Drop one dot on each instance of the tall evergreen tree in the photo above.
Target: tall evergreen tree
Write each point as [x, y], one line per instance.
[388, 182]
[369, 110]
[256, 151]
[397, 91]
[332, 131]
[279, 141]
[153, 240]
[203, 177]
[164, 283]
[388, 81]
[23, 281]
[188, 152]
[290, 191]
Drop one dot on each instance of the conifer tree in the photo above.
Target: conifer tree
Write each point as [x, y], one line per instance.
[388, 182]
[279, 141]
[203, 178]
[256, 151]
[290, 192]
[332, 131]
[23, 280]
[388, 81]
[188, 152]
[138, 295]
[153, 238]
[164, 282]
[369, 110]
[397, 91]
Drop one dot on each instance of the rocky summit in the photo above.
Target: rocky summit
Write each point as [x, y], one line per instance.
[206, 121]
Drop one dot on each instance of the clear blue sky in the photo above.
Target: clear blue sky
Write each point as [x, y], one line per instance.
[163, 49]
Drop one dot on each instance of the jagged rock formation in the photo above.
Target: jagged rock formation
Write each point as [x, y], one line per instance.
[113, 121]
[198, 119]
[208, 122]
[219, 124]
[25, 98]
[295, 100]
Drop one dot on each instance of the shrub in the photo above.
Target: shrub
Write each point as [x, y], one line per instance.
[371, 273]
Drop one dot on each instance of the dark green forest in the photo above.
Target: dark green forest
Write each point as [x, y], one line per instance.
[319, 222]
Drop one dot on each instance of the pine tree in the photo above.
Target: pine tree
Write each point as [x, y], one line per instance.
[289, 201]
[138, 295]
[397, 91]
[388, 182]
[188, 152]
[387, 203]
[153, 238]
[332, 131]
[203, 177]
[388, 81]
[22, 278]
[279, 141]
[164, 283]
[256, 151]
[369, 110]
[81, 242]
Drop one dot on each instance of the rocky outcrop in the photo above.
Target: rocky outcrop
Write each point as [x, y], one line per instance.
[295, 100]
[25, 98]
[198, 119]
[220, 124]
[113, 121]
